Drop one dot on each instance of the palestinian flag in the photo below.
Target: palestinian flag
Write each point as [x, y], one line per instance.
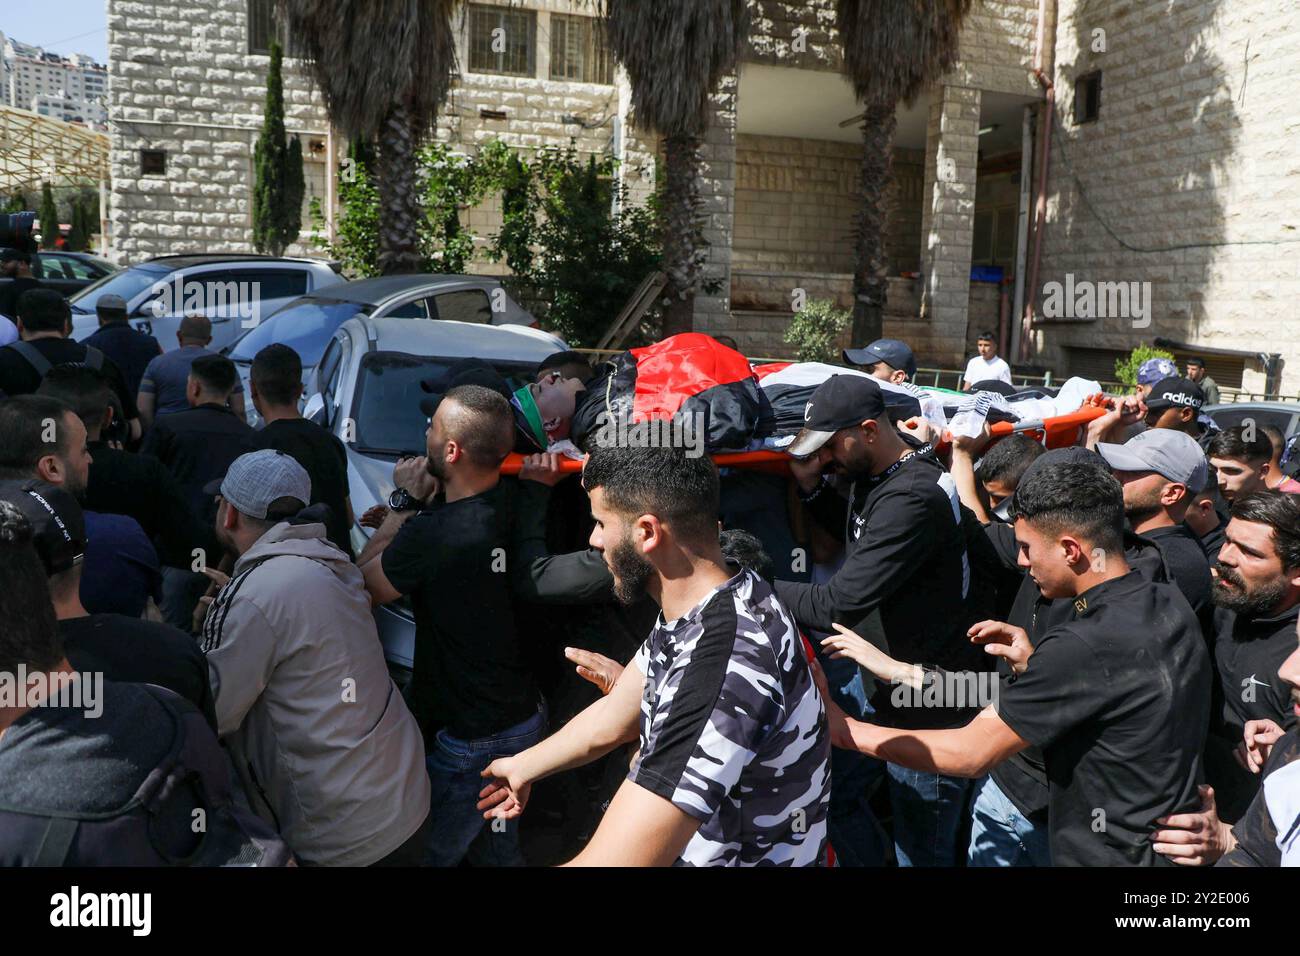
[688, 376]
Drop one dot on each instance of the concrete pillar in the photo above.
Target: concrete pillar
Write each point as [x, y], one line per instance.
[718, 210]
[948, 223]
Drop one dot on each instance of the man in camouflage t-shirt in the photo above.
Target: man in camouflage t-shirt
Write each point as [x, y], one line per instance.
[733, 767]
[732, 730]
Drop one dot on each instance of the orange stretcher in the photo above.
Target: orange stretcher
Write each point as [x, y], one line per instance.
[1061, 431]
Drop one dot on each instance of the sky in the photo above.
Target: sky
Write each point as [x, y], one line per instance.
[61, 26]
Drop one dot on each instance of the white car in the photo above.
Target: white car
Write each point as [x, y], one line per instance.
[366, 391]
[236, 292]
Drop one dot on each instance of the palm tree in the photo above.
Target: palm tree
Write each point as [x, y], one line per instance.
[893, 50]
[675, 52]
[383, 68]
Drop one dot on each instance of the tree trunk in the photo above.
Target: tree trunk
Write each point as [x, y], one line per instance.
[399, 201]
[871, 265]
[684, 246]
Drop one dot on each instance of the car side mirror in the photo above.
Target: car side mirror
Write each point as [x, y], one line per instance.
[314, 410]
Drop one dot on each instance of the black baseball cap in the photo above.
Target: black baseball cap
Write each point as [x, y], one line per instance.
[892, 352]
[471, 371]
[1175, 392]
[10, 254]
[58, 525]
[841, 401]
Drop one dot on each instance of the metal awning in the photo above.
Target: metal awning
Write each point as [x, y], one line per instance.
[1271, 361]
[36, 149]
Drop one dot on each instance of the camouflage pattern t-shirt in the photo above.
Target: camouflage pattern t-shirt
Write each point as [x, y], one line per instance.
[733, 731]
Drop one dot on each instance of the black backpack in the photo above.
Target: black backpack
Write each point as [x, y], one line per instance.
[33, 357]
[156, 827]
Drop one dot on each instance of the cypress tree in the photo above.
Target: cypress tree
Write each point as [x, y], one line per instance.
[49, 216]
[277, 162]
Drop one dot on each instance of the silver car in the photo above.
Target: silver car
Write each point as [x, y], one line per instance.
[236, 293]
[366, 390]
[306, 324]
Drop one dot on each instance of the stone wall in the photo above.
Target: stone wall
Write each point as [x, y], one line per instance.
[180, 77]
[1190, 158]
[796, 200]
[182, 80]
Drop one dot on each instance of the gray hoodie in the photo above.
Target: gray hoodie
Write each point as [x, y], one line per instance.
[319, 734]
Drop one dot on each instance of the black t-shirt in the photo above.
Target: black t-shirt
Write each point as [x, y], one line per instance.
[131, 650]
[141, 487]
[130, 350]
[908, 557]
[469, 674]
[19, 377]
[11, 292]
[1022, 777]
[1185, 559]
[198, 445]
[1247, 655]
[325, 460]
[1118, 700]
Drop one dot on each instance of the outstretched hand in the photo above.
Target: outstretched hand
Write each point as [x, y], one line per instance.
[597, 668]
[1003, 640]
[506, 792]
[850, 644]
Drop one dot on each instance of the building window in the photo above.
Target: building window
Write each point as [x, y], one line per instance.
[263, 27]
[153, 162]
[579, 50]
[1087, 98]
[501, 40]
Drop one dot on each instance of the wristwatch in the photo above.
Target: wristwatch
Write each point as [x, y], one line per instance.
[403, 500]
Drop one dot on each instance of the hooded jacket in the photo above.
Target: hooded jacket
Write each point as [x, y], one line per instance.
[327, 750]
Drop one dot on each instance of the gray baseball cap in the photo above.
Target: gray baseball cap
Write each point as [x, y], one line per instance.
[259, 478]
[1172, 454]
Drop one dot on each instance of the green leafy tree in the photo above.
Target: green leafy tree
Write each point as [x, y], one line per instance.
[17, 202]
[78, 239]
[589, 259]
[1126, 369]
[815, 331]
[356, 242]
[49, 216]
[278, 185]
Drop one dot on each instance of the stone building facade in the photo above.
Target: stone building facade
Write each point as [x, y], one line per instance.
[1185, 179]
[1187, 149]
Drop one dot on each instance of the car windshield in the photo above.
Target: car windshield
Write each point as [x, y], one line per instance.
[1232, 417]
[305, 326]
[388, 417]
[128, 283]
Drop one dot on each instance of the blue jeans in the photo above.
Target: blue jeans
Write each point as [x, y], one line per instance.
[930, 814]
[458, 831]
[852, 828]
[1001, 835]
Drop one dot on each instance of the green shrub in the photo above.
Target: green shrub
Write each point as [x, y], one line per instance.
[1126, 370]
[815, 331]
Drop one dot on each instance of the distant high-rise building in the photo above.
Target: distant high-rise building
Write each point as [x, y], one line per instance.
[73, 88]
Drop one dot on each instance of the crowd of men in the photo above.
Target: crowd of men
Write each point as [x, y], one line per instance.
[922, 649]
